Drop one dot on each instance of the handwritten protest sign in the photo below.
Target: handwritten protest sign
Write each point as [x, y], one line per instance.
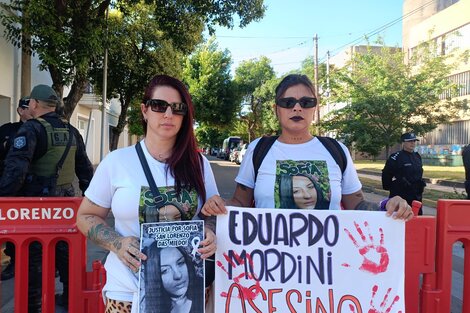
[273, 260]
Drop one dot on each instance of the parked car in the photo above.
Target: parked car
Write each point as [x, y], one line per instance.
[233, 157]
[241, 153]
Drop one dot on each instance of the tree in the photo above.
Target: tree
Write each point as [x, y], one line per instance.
[137, 52]
[264, 94]
[385, 97]
[210, 136]
[207, 73]
[68, 36]
[249, 76]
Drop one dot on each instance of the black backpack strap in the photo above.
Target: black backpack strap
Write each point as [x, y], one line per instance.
[336, 151]
[260, 151]
[265, 143]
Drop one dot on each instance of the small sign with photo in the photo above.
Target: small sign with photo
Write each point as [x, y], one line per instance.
[172, 277]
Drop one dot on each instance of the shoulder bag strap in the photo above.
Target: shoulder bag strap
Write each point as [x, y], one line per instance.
[157, 197]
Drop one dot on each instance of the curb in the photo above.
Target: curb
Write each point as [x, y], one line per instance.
[426, 202]
[434, 181]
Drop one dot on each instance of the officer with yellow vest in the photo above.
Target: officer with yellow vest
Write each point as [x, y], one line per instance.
[32, 168]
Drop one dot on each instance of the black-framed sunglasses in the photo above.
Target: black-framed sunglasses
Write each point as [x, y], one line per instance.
[289, 103]
[24, 103]
[160, 106]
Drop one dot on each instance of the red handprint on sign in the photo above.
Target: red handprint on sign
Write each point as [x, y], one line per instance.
[383, 304]
[370, 249]
[244, 279]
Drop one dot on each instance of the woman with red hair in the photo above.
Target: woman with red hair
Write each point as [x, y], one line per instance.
[183, 177]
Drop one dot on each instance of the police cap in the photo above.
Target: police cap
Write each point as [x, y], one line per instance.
[44, 93]
[408, 137]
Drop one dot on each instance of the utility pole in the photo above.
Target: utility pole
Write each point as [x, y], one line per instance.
[105, 86]
[315, 60]
[327, 81]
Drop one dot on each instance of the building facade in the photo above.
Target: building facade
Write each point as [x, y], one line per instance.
[447, 22]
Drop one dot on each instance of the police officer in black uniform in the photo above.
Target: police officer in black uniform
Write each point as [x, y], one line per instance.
[466, 165]
[7, 134]
[9, 130]
[31, 169]
[403, 172]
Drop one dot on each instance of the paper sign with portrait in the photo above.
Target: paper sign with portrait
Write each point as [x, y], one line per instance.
[172, 277]
[273, 260]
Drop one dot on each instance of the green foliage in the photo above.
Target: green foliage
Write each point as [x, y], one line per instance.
[136, 52]
[68, 35]
[210, 136]
[134, 119]
[207, 73]
[384, 97]
[250, 76]
[265, 94]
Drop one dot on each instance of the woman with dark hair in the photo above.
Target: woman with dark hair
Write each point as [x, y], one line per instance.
[171, 283]
[296, 150]
[181, 174]
[301, 191]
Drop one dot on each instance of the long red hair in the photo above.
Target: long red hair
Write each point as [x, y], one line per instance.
[185, 163]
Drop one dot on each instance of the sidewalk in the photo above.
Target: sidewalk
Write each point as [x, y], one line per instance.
[375, 195]
[444, 186]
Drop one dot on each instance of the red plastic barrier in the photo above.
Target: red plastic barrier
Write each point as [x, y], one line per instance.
[420, 249]
[453, 224]
[47, 221]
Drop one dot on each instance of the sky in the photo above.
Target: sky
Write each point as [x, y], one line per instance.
[285, 34]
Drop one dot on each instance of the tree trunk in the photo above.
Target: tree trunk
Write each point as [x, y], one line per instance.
[122, 122]
[25, 68]
[25, 56]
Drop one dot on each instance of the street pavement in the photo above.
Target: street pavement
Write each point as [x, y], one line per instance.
[225, 172]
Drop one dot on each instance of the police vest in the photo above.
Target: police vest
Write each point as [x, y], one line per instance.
[46, 166]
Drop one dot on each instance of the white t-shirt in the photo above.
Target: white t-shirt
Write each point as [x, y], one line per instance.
[309, 163]
[119, 183]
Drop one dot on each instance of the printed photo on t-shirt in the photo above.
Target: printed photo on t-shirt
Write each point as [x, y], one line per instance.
[302, 185]
[175, 207]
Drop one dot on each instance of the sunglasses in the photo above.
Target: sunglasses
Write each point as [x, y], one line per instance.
[160, 106]
[24, 103]
[289, 103]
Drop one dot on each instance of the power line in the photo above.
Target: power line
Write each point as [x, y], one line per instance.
[351, 43]
[264, 37]
[381, 28]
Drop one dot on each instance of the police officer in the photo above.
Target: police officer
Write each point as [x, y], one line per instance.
[32, 169]
[7, 134]
[403, 172]
[466, 165]
[8, 130]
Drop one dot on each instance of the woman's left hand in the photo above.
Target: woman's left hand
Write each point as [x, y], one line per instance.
[398, 208]
[209, 244]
